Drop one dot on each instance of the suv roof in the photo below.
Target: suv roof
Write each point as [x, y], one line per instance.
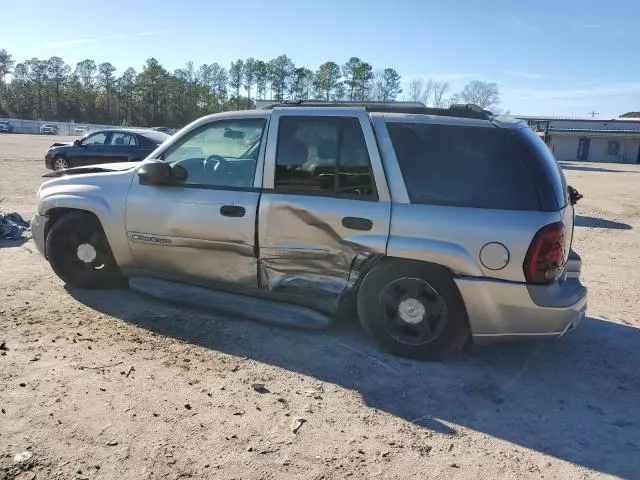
[458, 110]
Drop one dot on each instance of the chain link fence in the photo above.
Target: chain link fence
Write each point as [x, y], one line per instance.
[38, 127]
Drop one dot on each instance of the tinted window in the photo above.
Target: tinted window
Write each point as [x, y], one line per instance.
[463, 166]
[325, 155]
[221, 153]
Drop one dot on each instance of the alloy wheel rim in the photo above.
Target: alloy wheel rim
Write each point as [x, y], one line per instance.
[60, 164]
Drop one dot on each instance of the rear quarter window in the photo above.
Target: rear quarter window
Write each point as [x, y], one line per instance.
[452, 165]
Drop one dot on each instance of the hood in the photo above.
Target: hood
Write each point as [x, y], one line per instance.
[102, 168]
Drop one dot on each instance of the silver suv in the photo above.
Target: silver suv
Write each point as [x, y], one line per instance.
[432, 224]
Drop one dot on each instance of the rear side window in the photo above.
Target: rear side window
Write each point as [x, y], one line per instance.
[463, 166]
[323, 156]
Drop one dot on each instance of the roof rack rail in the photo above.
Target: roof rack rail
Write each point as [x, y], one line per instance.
[456, 110]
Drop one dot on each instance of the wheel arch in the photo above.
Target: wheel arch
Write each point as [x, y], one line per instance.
[438, 276]
[451, 255]
[349, 297]
[56, 213]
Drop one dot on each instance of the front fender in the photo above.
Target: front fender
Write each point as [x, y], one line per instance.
[96, 205]
[102, 194]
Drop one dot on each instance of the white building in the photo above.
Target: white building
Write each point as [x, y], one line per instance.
[590, 140]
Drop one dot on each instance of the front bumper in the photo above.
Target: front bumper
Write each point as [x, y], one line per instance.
[501, 311]
[38, 232]
[48, 161]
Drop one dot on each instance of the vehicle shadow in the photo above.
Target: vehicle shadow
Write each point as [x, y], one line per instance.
[575, 399]
[584, 168]
[595, 222]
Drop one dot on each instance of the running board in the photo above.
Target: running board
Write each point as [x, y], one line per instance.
[267, 311]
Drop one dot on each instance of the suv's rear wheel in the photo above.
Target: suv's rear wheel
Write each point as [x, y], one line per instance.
[79, 252]
[412, 309]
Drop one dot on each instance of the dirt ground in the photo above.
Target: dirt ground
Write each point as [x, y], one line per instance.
[113, 385]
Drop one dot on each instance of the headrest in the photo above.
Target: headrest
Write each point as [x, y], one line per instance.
[327, 150]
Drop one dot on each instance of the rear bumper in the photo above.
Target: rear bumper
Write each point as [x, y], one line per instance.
[501, 311]
[38, 230]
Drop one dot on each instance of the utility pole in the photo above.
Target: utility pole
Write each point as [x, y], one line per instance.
[594, 113]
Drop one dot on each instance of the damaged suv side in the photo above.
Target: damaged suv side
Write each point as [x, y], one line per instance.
[436, 224]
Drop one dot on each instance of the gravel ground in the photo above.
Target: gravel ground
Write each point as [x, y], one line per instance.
[112, 385]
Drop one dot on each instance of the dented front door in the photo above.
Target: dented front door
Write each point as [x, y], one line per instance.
[324, 209]
[203, 226]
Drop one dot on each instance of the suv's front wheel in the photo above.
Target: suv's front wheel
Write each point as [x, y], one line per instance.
[79, 252]
[412, 309]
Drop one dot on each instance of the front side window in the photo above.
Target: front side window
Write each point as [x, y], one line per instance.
[123, 139]
[450, 165]
[323, 155]
[223, 153]
[95, 139]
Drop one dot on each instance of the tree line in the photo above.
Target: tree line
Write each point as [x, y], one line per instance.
[93, 93]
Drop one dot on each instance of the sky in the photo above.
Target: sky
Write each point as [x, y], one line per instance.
[561, 57]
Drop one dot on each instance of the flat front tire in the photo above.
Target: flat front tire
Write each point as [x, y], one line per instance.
[79, 252]
[413, 309]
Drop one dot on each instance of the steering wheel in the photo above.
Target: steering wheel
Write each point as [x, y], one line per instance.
[220, 161]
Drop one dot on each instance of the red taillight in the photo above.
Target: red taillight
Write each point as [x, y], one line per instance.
[545, 258]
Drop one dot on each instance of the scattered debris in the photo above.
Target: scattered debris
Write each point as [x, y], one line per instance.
[260, 388]
[361, 451]
[249, 449]
[22, 384]
[3, 346]
[131, 369]
[454, 465]
[26, 476]
[23, 456]
[451, 447]
[297, 423]
[187, 406]
[12, 226]
[100, 367]
[112, 443]
[35, 358]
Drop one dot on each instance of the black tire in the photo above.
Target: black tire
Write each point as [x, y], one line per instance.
[64, 239]
[394, 283]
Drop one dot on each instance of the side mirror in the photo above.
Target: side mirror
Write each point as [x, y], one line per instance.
[77, 143]
[154, 173]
